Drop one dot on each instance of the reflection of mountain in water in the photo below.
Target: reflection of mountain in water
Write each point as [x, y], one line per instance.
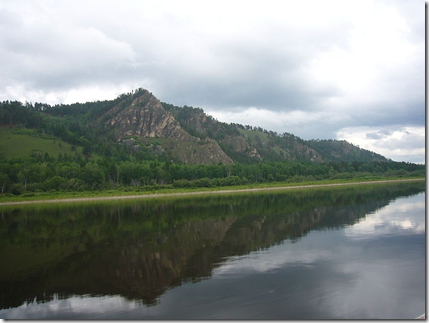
[139, 249]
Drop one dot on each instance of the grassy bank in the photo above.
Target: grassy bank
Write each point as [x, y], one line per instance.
[165, 190]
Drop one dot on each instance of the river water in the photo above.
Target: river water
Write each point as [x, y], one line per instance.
[355, 252]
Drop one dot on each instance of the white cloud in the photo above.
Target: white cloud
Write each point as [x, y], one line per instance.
[396, 142]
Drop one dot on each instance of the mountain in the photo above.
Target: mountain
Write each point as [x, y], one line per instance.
[138, 123]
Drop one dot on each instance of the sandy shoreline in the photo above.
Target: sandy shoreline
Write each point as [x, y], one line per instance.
[120, 197]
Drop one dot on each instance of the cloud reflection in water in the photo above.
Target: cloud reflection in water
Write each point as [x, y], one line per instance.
[402, 216]
[92, 307]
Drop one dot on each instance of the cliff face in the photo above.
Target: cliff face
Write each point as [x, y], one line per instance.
[145, 117]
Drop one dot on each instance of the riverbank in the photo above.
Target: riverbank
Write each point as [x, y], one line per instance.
[181, 192]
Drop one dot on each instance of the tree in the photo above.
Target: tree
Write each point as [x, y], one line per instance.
[87, 149]
[93, 175]
[4, 181]
[55, 183]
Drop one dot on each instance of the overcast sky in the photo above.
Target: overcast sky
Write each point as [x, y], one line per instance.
[352, 70]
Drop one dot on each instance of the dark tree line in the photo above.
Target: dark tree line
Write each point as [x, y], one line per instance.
[68, 172]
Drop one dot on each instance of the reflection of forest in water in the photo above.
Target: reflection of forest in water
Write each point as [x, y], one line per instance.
[139, 249]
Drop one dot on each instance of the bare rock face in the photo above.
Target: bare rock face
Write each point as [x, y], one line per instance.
[211, 153]
[145, 117]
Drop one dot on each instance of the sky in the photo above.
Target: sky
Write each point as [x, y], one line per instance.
[346, 70]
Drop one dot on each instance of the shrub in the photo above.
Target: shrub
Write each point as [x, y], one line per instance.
[55, 183]
[16, 189]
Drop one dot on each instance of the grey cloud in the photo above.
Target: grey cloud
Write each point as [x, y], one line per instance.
[254, 61]
[45, 55]
[263, 71]
[380, 134]
[407, 142]
[265, 82]
[373, 135]
[390, 113]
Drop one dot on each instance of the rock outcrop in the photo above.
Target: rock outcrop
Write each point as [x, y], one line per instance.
[145, 117]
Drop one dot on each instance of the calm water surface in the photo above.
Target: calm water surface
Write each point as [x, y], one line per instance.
[343, 253]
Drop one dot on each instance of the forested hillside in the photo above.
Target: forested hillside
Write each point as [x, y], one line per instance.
[136, 140]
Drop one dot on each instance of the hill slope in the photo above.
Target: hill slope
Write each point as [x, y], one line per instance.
[139, 124]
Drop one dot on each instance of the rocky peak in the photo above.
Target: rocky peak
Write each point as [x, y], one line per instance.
[144, 117]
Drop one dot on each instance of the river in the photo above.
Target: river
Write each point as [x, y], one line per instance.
[355, 252]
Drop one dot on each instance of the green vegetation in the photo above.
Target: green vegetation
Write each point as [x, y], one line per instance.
[21, 142]
[45, 177]
[87, 125]
[69, 150]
